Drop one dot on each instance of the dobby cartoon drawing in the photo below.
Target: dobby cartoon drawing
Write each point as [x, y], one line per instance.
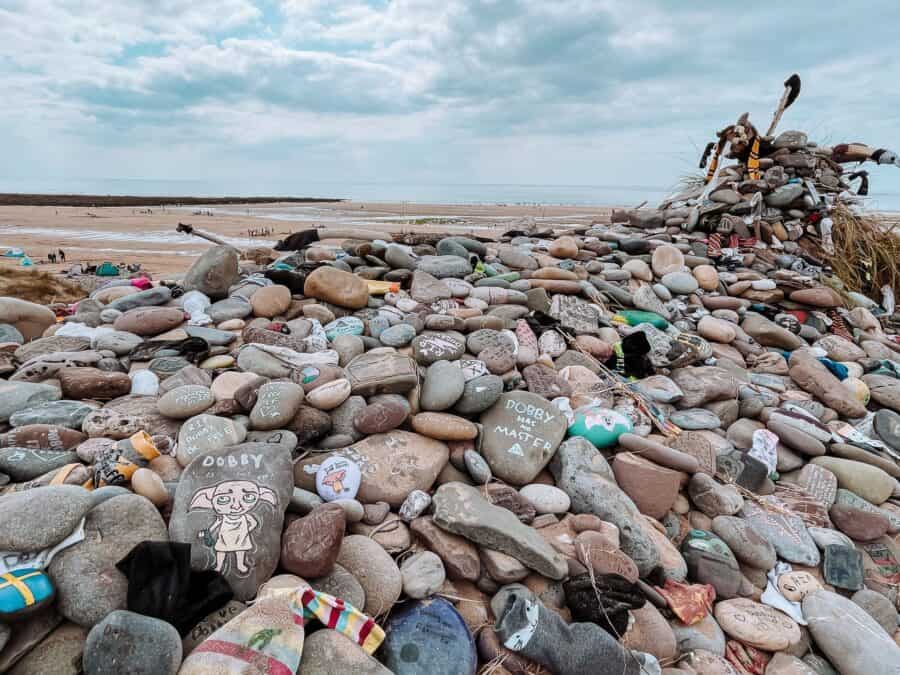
[232, 501]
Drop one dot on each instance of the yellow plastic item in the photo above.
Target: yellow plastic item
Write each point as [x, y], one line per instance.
[382, 287]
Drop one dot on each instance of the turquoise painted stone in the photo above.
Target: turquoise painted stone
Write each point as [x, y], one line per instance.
[601, 426]
[635, 316]
[346, 325]
[23, 592]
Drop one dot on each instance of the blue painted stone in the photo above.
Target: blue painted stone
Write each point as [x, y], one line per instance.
[346, 325]
[431, 637]
[601, 426]
[23, 592]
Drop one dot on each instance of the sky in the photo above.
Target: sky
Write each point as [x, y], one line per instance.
[584, 92]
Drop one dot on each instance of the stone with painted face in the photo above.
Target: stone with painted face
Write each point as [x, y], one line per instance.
[337, 478]
[230, 506]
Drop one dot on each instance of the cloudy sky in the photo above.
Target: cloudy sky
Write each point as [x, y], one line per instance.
[443, 91]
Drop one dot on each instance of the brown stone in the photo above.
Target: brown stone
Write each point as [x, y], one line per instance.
[444, 427]
[858, 524]
[149, 321]
[337, 287]
[592, 549]
[820, 296]
[652, 488]
[459, 555]
[92, 383]
[651, 633]
[310, 545]
[812, 376]
[42, 437]
[270, 301]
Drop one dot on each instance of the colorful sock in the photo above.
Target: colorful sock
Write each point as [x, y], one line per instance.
[334, 613]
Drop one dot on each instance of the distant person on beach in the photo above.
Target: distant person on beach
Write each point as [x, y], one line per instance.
[51, 257]
[62, 255]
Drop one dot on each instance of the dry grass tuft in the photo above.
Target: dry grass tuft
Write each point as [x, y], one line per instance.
[36, 286]
[867, 253]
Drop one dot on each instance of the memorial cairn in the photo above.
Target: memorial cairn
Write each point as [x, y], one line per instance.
[665, 443]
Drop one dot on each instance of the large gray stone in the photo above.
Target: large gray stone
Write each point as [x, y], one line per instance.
[521, 433]
[213, 272]
[88, 584]
[41, 517]
[850, 638]
[460, 509]
[230, 505]
[583, 474]
[16, 396]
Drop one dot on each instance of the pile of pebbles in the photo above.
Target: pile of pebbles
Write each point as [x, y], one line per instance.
[604, 450]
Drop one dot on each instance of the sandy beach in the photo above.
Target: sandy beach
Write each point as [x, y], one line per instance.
[148, 236]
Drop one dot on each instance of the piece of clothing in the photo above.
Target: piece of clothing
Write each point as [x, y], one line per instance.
[526, 626]
[607, 605]
[267, 638]
[689, 602]
[161, 584]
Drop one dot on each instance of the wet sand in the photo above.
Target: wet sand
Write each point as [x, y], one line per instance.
[148, 236]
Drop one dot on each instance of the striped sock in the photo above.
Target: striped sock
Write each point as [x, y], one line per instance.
[334, 613]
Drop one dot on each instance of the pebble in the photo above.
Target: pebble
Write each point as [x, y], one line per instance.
[149, 646]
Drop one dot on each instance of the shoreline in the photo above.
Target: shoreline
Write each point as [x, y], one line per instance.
[98, 201]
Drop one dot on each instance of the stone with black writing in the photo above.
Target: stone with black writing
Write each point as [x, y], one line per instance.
[205, 433]
[521, 433]
[757, 625]
[229, 505]
[431, 347]
[276, 405]
[392, 465]
[88, 583]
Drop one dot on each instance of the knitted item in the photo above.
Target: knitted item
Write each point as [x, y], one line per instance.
[838, 327]
[334, 613]
[267, 638]
[753, 172]
[714, 245]
[607, 605]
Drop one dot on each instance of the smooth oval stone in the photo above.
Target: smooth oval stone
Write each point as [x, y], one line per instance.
[757, 625]
[276, 404]
[745, 542]
[479, 394]
[184, 402]
[149, 646]
[328, 651]
[337, 287]
[16, 396]
[205, 433]
[546, 498]
[346, 325]
[443, 386]
[375, 570]
[398, 336]
[429, 637]
[22, 464]
[680, 283]
[149, 321]
[380, 417]
[41, 517]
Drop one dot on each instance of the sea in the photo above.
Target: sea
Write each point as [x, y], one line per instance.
[421, 193]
